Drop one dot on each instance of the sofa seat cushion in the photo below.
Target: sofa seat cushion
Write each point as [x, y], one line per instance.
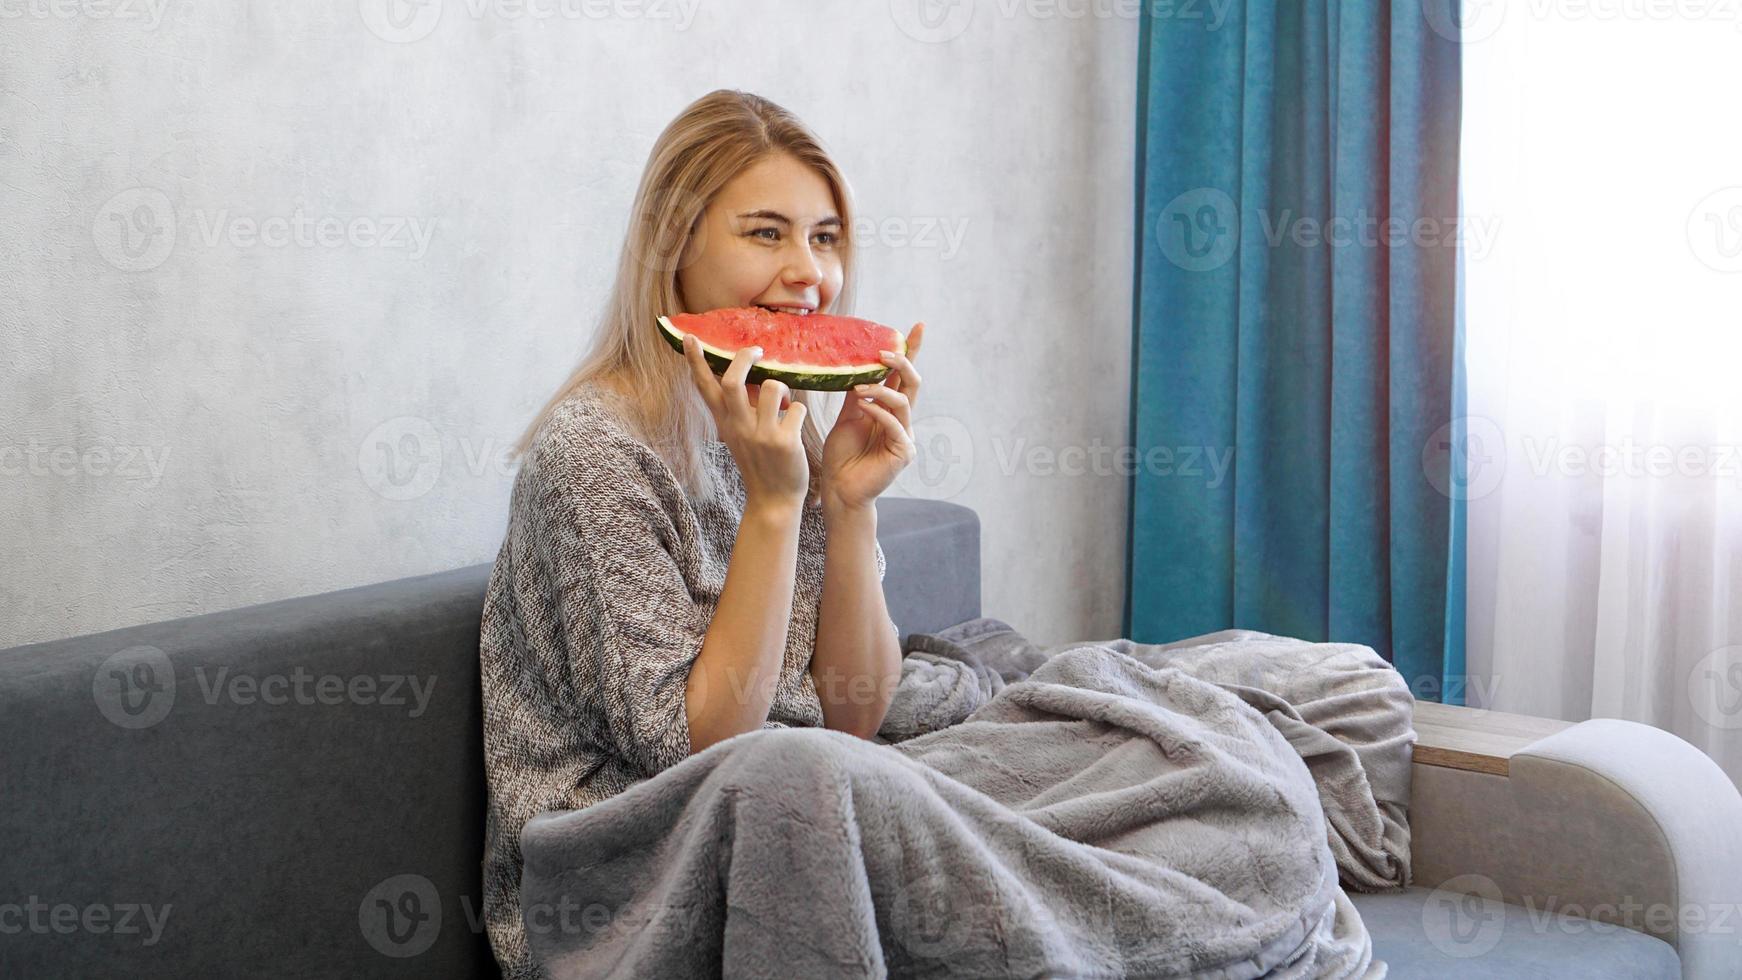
[1419, 933]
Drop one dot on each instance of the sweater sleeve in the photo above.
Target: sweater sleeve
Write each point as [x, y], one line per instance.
[630, 626]
[882, 566]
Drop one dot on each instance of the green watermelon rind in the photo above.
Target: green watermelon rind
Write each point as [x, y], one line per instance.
[801, 377]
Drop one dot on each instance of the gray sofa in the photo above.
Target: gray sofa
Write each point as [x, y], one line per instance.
[296, 789]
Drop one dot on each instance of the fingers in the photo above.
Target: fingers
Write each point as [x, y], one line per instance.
[768, 402]
[701, 374]
[898, 403]
[795, 413]
[903, 376]
[732, 382]
[899, 436]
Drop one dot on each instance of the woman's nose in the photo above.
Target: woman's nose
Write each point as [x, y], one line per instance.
[803, 269]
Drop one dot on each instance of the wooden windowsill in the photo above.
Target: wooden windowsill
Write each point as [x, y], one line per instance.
[1475, 739]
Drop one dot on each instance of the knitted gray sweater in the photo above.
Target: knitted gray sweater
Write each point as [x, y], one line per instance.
[597, 606]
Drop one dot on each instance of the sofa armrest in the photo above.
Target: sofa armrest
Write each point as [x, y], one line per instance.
[1607, 820]
[933, 551]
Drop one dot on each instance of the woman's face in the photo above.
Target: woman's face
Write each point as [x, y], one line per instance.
[770, 237]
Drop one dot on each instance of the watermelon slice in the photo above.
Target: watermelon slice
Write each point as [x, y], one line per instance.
[810, 352]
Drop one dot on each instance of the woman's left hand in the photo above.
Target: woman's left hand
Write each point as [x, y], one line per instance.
[872, 442]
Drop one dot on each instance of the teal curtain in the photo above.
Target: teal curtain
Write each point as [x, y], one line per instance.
[1296, 379]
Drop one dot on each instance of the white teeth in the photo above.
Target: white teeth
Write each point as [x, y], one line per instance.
[796, 310]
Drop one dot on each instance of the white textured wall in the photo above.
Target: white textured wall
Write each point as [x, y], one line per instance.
[278, 282]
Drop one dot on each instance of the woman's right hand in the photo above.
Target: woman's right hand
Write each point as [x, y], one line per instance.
[767, 448]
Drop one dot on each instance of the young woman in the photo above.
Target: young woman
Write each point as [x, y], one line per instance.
[688, 558]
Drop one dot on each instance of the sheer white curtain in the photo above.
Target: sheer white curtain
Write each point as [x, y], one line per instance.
[1603, 148]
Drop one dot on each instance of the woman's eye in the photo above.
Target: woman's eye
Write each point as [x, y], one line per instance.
[828, 237]
[775, 232]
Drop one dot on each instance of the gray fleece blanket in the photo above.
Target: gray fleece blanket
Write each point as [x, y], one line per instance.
[1086, 810]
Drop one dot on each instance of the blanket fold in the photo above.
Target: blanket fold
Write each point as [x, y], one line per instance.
[1082, 811]
[1343, 709]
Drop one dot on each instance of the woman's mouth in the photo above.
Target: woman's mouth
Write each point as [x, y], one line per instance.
[794, 310]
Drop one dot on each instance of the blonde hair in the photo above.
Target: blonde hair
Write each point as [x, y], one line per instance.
[713, 140]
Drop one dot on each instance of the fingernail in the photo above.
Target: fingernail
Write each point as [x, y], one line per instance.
[886, 355]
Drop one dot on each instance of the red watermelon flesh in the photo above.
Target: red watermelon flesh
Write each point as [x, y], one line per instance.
[815, 352]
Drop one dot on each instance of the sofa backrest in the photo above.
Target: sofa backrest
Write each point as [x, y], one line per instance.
[294, 788]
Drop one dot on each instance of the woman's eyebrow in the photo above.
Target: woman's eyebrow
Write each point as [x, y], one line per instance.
[832, 220]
